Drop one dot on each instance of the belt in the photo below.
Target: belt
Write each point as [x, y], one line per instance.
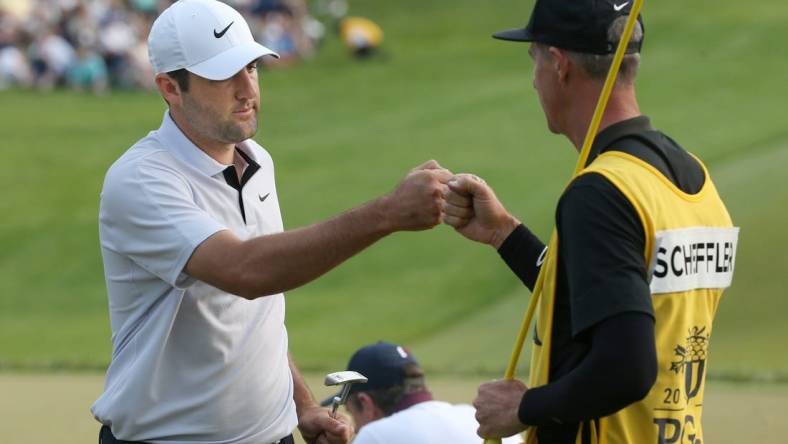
[106, 437]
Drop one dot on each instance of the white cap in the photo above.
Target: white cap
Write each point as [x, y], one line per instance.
[206, 37]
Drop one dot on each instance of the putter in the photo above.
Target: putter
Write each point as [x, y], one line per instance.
[346, 379]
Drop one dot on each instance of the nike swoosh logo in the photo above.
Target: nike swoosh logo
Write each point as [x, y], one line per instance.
[540, 259]
[219, 35]
[615, 6]
[263, 198]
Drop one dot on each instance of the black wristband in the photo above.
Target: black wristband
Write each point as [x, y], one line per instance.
[521, 251]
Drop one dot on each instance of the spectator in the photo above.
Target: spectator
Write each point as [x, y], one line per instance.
[52, 55]
[361, 36]
[286, 27]
[140, 68]
[145, 6]
[80, 27]
[117, 37]
[14, 69]
[50, 43]
[395, 406]
[88, 72]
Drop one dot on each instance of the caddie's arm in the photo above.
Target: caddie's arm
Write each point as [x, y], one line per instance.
[314, 422]
[619, 369]
[275, 263]
[602, 243]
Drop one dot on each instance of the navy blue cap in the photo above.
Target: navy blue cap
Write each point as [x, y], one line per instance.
[576, 25]
[383, 363]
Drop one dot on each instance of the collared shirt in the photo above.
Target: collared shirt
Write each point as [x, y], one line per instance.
[190, 362]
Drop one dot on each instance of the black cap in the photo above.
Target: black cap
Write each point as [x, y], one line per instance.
[384, 364]
[576, 25]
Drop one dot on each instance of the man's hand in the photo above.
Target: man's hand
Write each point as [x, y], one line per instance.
[472, 208]
[496, 408]
[317, 427]
[415, 204]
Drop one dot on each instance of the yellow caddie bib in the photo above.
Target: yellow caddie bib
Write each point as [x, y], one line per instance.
[691, 251]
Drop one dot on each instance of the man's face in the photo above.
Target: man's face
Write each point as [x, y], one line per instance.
[545, 81]
[223, 111]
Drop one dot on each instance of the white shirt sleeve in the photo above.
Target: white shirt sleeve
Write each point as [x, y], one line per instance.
[148, 214]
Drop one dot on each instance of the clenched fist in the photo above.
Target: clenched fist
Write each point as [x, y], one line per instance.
[416, 203]
[472, 208]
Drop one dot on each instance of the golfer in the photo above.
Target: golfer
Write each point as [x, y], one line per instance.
[644, 249]
[196, 259]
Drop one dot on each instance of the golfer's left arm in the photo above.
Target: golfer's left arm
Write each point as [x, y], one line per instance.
[314, 422]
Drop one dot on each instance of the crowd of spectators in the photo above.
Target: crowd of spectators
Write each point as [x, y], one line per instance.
[100, 44]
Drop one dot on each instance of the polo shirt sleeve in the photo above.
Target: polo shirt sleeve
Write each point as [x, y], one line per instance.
[149, 214]
[601, 240]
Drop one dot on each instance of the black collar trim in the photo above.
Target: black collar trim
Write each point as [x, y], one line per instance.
[616, 132]
[231, 177]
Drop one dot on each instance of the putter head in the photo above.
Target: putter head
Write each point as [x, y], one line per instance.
[346, 377]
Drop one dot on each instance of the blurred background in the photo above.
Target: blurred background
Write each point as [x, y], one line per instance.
[365, 91]
[100, 45]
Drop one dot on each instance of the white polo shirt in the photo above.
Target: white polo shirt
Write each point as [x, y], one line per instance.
[427, 422]
[190, 363]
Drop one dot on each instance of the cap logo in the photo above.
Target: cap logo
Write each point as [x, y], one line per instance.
[219, 35]
[615, 6]
[402, 352]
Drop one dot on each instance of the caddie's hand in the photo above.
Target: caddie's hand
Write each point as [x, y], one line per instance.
[415, 204]
[496, 408]
[317, 427]
[472, 208]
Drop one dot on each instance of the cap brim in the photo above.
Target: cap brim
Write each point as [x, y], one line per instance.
[514, 35]
[227, 64]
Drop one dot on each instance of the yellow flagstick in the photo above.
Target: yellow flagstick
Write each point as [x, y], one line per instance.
[599, 111]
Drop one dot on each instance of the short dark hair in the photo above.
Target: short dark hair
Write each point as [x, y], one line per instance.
[181, 76]
[387, 399]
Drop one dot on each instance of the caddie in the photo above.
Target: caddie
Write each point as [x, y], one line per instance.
[644, 250]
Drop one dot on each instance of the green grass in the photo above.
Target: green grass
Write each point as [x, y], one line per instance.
[751, 334]
[741, 413]
[342, 132]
